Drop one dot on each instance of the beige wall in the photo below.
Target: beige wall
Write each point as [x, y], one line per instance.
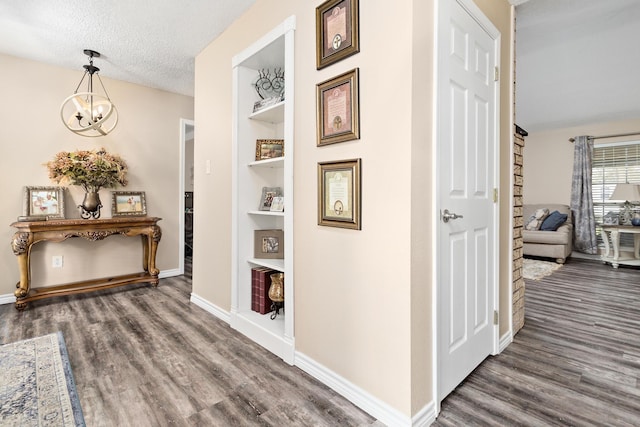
[362, 298]
[31, 133]
[548, 158]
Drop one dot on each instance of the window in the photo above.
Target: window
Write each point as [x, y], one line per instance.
[612, 164]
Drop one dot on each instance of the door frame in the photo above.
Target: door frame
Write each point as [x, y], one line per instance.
[184, 134]
[474, 11]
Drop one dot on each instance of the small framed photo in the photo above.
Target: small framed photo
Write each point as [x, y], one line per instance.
[337, 34]
[269, 148]
[339, 194]
[42, 203]
[268, 244]
[338, 117]
[268, 193]
[277, 204]
[128, 203]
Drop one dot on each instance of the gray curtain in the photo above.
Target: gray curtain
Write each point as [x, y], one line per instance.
[584, 237]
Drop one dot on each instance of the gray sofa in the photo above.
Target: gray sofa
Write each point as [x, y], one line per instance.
[550, 244]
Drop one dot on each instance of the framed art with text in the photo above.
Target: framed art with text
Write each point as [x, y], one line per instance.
[338, 117]
[337, 35]
[339, 194]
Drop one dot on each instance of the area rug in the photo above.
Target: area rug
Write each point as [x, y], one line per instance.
[36, 384]
[535, 269]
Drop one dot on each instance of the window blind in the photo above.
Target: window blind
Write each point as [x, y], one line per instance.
[615, 163]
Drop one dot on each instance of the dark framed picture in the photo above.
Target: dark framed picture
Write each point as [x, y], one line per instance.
[128, 203]
[42, 203]
[268, 193]
[338, 117]
[269, 148]
[337, 34]
[339, 194]
[268, 244]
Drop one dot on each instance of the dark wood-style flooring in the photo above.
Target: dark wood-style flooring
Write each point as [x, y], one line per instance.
[575, 363]
[148, 357]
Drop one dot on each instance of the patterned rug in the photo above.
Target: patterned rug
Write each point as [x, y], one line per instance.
[535, 269]
[36, 384]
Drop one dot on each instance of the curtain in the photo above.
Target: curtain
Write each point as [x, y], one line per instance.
[584, 237]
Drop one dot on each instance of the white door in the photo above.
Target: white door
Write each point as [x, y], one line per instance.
[467, 161]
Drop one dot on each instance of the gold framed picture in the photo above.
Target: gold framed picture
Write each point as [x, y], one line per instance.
[337, 34]
[339, 194]
[42, 203]
[128, 203]
[268, 244]
[338, 117]
[269, 148]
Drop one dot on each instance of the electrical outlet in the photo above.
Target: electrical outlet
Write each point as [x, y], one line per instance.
[56, 261]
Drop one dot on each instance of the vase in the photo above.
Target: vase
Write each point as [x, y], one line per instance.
[90, 207]
[276, 293]
[636, 219]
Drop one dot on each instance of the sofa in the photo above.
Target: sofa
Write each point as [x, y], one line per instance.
[556, 244]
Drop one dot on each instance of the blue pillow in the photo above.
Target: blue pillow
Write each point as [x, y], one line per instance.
[553, 221]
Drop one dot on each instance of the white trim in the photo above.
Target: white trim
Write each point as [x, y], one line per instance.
[505, 340]
[426, 416]
[7, 299]
[169, 273]
[211, 308]
[359, 397]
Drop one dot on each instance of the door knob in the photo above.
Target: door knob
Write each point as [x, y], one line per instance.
[446, 216]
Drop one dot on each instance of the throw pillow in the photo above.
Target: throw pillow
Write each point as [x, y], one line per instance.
[535, 221]
[553, 221]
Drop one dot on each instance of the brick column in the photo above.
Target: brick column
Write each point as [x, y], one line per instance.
[518, 223]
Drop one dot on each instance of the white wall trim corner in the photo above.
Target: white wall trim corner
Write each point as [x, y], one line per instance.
[505, 340]
[426, 416]
[211, 308]
[7, 299]
[359, 397]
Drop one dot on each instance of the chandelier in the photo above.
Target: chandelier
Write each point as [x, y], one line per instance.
[89, 113]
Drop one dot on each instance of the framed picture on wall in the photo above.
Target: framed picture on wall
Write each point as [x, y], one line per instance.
[338, 117]
[339, 194]
[337, 34]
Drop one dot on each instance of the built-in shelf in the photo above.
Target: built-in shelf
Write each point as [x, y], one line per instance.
[271, 114]
[250, 176]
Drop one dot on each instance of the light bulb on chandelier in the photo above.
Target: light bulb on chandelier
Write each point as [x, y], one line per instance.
[89, 113]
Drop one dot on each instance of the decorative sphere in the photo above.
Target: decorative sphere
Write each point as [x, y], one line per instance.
[635, 221]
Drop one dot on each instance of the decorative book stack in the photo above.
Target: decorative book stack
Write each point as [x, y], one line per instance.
[260, 284]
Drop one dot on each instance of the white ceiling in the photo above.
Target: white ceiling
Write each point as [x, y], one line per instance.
[148, 42]
[577, 62]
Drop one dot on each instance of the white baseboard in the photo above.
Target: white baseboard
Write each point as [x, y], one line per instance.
[7, 299]
[505, 340]
[169, 273]
[211, 308]
[365, 401]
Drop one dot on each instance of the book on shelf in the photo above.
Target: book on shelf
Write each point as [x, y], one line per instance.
[260, 283]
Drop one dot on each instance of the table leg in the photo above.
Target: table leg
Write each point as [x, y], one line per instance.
[605, 240]
[21, 246]
[636, 246]
[615, 242]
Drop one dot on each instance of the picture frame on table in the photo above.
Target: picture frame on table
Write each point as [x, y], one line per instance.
[268, 244]
[338, 116]
[337, 31]
[268, 193]
[339, 194]
[128, 203]
[269, 149]
[42, 203]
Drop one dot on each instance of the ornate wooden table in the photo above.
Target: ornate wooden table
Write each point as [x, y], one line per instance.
[32, 232]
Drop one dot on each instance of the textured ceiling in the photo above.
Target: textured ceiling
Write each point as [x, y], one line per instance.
[577, 62]
[148, 42]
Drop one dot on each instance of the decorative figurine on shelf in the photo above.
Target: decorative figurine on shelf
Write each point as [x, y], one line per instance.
[276, 293]
[92, 170]
[269, 88]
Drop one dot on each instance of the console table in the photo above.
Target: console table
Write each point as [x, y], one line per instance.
[32, 232]
[612, 233]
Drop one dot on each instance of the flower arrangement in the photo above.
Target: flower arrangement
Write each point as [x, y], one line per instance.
[90, 169]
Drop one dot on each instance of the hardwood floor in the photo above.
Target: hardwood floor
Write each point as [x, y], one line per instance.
[147, 357]
[576, 361]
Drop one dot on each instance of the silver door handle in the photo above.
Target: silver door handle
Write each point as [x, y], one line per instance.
[446, 216]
